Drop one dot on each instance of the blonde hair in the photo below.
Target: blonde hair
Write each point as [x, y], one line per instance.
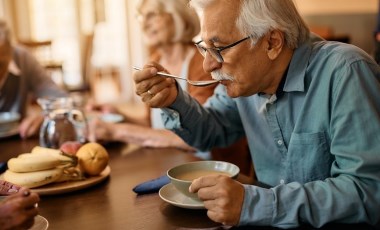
[260, 16]
[5, 40]
[186, 21]
[4, 33]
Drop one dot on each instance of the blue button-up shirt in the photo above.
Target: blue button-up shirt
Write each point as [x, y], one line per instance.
[316, 143]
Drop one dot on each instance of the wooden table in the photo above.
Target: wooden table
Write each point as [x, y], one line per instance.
[112, 205]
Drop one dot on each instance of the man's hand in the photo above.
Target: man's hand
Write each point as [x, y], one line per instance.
[18, 210]
[155, 91]
[222, 196]
[30, 125]
[7, 188]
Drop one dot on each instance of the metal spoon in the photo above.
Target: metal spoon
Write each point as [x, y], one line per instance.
[194, 83]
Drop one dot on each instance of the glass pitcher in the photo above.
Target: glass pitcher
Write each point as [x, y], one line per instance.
[62, 122]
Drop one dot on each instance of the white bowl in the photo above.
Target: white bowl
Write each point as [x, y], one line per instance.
[9, 121]
[181, 176]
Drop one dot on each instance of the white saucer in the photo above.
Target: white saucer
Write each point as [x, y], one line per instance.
[40, 223]
[112, 117]
[9, 133]
[171, 195]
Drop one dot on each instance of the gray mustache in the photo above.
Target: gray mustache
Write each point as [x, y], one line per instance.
[220, 76]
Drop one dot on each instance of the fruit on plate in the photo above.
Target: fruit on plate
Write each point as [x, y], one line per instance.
[93, 158]
[28, 162]
[63, 156]
[70, 147]
[42, 166]
[33, 179]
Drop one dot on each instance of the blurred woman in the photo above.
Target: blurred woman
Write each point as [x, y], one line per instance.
[169, 27]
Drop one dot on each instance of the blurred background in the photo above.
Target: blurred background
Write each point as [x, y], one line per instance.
[90, 45]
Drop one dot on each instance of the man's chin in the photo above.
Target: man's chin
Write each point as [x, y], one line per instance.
[231, 91]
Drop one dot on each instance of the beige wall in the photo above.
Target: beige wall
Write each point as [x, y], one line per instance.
[355, 18]
[308, 7]
[138, 53]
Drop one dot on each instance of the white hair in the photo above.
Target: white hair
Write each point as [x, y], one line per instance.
[258, 17]
[185, 19]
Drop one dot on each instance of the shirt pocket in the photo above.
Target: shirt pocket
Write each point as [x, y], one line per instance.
[309, 157]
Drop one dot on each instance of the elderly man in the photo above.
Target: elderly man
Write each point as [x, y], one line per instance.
[310, 110]
[21, 75]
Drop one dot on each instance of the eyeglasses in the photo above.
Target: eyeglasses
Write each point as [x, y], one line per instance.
[215, 52]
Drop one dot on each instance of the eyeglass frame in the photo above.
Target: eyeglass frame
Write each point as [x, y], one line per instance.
[215, 52]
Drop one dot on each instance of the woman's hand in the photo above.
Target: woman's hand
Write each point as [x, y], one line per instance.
[30, 125]
[100, 131]
[17, 211]
[163, 138]
[155, 91]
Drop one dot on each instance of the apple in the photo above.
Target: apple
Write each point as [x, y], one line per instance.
[70, 147]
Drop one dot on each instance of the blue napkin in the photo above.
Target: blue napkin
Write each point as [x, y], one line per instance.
[3, 167]
[151, 186]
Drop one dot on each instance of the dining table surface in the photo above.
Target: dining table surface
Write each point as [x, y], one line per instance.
[112, 204]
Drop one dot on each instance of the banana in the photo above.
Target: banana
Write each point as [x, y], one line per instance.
[56, 153]
[33, 179]
[71, 174]
[31, 163]
[40, 149]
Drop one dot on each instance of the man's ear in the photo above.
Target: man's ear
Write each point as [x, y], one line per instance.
[276, 42]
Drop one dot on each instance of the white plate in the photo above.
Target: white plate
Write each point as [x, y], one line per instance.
[40, 223]
[171, 195]
[9, 133]
[106, 117]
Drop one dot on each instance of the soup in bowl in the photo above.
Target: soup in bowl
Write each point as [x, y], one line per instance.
[181, 176]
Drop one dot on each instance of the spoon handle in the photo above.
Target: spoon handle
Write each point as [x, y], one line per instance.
[162, 74]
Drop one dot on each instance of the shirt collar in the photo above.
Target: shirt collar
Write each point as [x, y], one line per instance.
[297, 68]
[293, 79]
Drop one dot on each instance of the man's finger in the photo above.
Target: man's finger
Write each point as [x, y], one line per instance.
[201, 182]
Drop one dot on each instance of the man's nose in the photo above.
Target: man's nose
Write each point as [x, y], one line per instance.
[210, 64]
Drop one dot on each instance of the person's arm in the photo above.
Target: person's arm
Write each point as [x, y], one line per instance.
[94, 109]
[30, 126]
[214, 124]
[136, 134]
[39, 82]
[198, 126]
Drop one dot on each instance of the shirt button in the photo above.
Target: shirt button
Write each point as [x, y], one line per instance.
[282, 181]
[279, 142]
